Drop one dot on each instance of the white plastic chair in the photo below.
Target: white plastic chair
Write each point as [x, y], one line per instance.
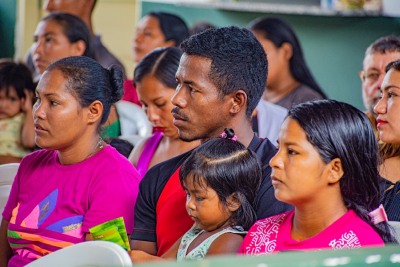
[134, 123]
[90, 253]
[7, 175]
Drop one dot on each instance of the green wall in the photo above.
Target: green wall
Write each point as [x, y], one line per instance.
[333, 46]
[7, 27]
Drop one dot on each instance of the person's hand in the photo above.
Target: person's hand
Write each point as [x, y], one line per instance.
[138, 256]
[27, 104]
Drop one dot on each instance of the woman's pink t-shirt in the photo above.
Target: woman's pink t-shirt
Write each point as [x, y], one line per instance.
[272, 234]
[52, 206]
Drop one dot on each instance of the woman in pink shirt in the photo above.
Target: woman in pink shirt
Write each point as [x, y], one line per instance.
[326, 167]
[76, 181]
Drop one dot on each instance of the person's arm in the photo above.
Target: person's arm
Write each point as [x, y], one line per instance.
[139, 256]
[28, 129]
[144, 231]
[227, 243]
[145, 246]
[5, 249]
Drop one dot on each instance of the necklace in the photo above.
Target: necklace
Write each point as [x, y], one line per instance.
[99, 146]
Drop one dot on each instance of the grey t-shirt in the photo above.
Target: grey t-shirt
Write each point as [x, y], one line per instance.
[301, 94]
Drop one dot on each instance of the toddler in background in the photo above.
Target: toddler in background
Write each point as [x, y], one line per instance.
[17, 133]
[221, 178]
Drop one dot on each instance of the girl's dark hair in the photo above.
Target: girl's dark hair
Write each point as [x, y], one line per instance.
[162, 63]
[89, 81]
[15, 75]
[339, 130]
[279, 32]
[74, 29]
[228, 167]
[172, 26]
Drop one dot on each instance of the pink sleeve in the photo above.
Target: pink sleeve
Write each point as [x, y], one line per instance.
[112, 195]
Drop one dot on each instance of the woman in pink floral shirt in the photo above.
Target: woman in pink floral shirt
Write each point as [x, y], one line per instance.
[326, 167]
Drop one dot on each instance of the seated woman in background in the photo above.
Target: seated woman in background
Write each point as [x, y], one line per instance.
[326, 167]
[290, 81]
[75, 181]
[60, 35]
[154, 30]
[388, 125]
[155, 83]
[17, 133]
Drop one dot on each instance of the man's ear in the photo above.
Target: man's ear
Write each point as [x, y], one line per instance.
[233, 202]
[335, 171]
[239, 101]
[95, 112]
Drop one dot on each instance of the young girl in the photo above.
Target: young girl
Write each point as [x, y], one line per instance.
[17, 135]
[221, 178]
[326, 167]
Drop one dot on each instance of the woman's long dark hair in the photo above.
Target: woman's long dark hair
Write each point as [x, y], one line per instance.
[227, 167]
[162, 63]
[279, 32]
[339, 130]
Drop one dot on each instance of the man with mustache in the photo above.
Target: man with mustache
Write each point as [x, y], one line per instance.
[380, 53]
[221, 78]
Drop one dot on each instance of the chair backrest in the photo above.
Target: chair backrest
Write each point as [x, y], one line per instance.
[135, 118]
[134, 123]
[7, 175]
[90, 253]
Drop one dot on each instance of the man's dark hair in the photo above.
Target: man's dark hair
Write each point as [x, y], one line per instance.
[238, 61]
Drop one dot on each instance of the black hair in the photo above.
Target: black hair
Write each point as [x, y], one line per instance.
[393, 65]
[384, 45]
[162, 63]
[15, 75]
[228, 167]
[339, 130]
[238, 61]
[74, 29]
[89, 81]
[124, 147]
[279, 32]
[172, 26]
